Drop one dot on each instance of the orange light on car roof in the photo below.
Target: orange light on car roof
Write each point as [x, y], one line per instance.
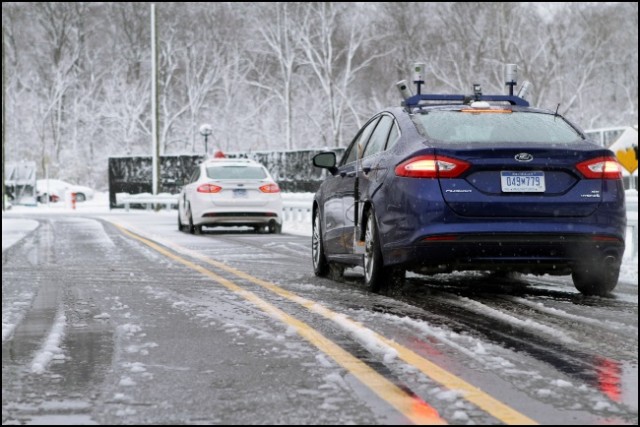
[475, 110]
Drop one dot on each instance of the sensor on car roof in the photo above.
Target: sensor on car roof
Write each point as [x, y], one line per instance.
[511, 76]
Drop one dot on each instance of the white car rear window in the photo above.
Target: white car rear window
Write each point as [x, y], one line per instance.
[236, 172]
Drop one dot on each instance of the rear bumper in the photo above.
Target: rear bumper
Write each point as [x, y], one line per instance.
[239, 218]
[526, 252]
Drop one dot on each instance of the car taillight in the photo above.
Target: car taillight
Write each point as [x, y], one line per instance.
[270, 188]
[209, 188]
[432, 166]
[600, 168]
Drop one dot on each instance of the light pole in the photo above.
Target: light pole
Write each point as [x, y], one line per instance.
[205, 130]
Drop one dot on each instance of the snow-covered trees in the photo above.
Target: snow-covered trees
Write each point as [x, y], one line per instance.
[287, 75]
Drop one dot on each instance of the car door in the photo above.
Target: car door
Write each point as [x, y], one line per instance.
[340, 201]
[373, 166]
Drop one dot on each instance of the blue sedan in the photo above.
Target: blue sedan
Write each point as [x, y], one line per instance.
[487, 183]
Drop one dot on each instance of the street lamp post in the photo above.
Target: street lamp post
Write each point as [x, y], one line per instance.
[206, 130]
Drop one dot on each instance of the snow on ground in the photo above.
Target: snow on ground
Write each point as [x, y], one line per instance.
[15, 229]
[299, 223]
[51, 347]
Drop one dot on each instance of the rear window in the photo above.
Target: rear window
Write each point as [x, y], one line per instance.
[236, 172]
[464, 127]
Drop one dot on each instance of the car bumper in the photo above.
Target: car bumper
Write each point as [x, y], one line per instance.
[528, 252]
[234, 218]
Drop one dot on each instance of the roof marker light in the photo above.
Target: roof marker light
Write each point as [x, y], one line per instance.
[484, 110]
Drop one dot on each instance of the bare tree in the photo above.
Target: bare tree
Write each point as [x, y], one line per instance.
[304, 75]
[336, 51]
[280, 49]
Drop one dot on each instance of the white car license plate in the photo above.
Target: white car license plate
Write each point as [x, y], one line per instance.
[522, 182]
[239, 193]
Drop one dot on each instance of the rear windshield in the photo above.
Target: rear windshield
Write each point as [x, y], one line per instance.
[464, 127]
[236, 172]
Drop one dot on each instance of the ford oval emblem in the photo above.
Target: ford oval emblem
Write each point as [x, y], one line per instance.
[524, 157]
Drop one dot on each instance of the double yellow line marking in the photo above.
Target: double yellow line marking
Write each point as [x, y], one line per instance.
[410, 406]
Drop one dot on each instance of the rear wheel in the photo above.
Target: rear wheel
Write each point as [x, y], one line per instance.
[597, 278]
[194, 229]
[320, 264]
[181, 226]
[377, 277]
[80, 197]
[275, 228]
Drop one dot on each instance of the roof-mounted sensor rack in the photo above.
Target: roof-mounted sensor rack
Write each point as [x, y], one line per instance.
[411, 101]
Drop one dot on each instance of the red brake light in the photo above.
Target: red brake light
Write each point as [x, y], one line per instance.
[209, 188]
[432, 166]
[270, 188]
[441, 238]
[600, 168]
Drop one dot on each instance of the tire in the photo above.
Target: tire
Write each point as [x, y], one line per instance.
[80, 197]
[597, 278]
[275, 228]
[192, 228]
[181, 226]
[320, 264]
[377, 277]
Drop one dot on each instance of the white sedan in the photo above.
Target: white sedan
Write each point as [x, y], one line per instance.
[230, 192]
[56, 190]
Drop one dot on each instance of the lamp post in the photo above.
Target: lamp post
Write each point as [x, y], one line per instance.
[205, 130]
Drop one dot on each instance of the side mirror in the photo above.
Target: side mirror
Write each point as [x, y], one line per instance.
[326, 161]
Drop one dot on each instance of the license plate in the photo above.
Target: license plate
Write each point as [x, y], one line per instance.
[239, 193]
[522, 182]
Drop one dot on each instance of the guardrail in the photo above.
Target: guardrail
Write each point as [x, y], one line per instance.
[297, 207]
[147, 199]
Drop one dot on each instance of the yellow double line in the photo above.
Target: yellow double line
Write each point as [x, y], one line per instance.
[416, 410]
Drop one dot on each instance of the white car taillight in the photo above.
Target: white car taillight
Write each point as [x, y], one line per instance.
[209, 188]
[270, 188]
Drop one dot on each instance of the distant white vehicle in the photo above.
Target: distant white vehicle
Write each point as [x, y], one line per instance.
[57, 190]
[230, 192]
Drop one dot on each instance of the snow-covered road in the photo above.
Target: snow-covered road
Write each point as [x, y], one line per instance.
[122, 319]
